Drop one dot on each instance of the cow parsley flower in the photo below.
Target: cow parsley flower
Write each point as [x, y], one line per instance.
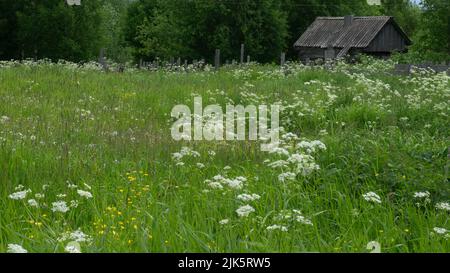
[224, 221]
[244, 211]
[60, 206]
[277, 227]
[440, 231]
[443, 206]
[33, 203]
[73, 247]
[14, 248]
[215, 185]
[248, 197]
[283, 177]
[76, 236]
[19, 195]
[85, 194]
[425, 194]
[372, 197]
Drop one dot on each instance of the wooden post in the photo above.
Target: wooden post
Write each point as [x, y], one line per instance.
[242, 53]
[248, 58]
[217, 59]
[179, 62]
[101, 59]
[447, 166]
[282, 58]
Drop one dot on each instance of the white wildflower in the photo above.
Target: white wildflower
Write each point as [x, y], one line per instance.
[443, 206]
[425, 194]
[85, 194]
[33, 203]
[372, 197]
[244, 211]
[224, 221]
[215, 185]
[19, 195]
[374, 247]
[286, 176]
[39, 195]
[440, 231]
[73, 247]
[60, 206]
[277, 227]
[4, 119]
[14, 248]
[248, 197]
[74, 203]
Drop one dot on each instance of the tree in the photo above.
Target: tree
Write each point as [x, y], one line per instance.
[433, 39]
[194, 29]
[50, 29]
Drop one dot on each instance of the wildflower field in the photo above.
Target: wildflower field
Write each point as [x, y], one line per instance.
[88, 164]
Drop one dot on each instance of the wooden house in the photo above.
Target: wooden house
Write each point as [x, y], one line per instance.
[335, 37]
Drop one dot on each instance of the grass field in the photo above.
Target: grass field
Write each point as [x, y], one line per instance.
[87, 161]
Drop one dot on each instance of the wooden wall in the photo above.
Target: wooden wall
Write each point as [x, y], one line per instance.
[387, 40]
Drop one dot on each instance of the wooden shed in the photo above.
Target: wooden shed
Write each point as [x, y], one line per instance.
[335, 37]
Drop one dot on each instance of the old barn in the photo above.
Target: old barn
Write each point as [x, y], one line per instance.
[335, 37]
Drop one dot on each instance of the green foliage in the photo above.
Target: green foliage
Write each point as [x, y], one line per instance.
[195, 29]
[433, 39]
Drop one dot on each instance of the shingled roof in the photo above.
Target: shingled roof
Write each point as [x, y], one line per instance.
[330, 31]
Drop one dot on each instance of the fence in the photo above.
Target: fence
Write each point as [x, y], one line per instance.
[406, 69]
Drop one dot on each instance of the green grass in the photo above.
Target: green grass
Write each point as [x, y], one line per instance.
[111, 131]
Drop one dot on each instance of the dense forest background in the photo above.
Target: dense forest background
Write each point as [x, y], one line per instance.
[192, 29]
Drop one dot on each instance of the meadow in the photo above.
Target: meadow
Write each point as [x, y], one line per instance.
[88, 164]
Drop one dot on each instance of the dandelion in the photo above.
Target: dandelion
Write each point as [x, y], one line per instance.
[244, 211]
[14, 248]
[248, 197]
[85, 194]
[372, 197]
[60, 206]
[374, 247]
[19, 195]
